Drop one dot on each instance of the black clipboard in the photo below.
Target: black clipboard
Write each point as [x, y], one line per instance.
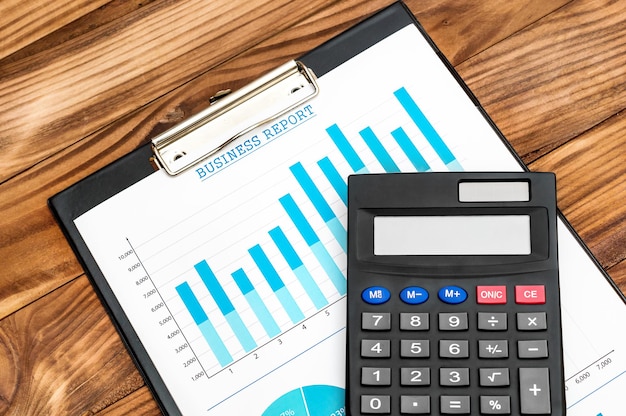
[71, 203]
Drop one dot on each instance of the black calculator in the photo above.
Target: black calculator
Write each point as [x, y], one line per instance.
[453, 295]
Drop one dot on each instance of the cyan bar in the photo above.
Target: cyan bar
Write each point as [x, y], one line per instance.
[410, 150]
[191, 302]
[301, 272]
[215, 288]
[335, 179]
[241, 332]
[292, 309]
[299, 220]
[346, 149]
[379, 150]
[330, 267]
[427, 129]
[215, 343]
[256, 303]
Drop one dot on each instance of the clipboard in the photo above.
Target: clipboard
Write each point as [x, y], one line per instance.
[181, 153]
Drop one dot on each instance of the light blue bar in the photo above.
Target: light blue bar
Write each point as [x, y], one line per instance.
[215, 288]
[454, 166]
[410, 150]
[254, 300]
[301, 272]
[320, 204]
[335, 179]
[346, 149]
[215, 343]
[427, 129]
[383, 157]
[276, 283]
[330, 267]
[241, 332]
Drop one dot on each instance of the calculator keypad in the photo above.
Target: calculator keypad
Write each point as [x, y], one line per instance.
[474, 351]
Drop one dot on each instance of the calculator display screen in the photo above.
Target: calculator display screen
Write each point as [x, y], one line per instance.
[452, 235]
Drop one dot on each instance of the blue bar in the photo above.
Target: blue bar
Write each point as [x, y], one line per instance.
[206, 328]
[346, 149]
[410, 150]
[254, 300]
[379, 150]
[225, 305]
[301, 272]
[418, 117]
[320, 204]
[313, 241]
[276, 283]
[335, 179]
[215, 288]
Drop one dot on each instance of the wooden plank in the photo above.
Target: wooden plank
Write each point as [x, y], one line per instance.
[557, 79]
[139, 402]
[61, 355]
[618, 274]
[591, 188]
[23, 23]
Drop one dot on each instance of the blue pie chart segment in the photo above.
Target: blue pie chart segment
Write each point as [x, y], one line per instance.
[316, 400]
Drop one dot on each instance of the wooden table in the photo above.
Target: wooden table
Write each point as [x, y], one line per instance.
[84, 82]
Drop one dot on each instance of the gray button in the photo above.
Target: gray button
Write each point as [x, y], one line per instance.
[532, 349]
[419, 376]
[454, 376]
[493, 348]
[534, 389]
[414, 405]
[455, 405]
[492, 321]
[414, 348]
[376, 321]
[494, 377]
[374, 376]
[414, 321]
[495, 405]
[453, 321]
[531, 321]
[377, 348]
[453, 348]
[375, 404]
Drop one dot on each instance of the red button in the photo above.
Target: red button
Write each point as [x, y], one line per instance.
[530, 295]
[494, 295]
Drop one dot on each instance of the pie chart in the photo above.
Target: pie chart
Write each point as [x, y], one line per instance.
[315, 400]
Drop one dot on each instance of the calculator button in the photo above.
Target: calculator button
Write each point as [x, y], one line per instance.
[531, 321]
[380, 405]
[494, 295]
[530, 295]
[494, 377]
[414, 321]
[374, 376]
[376, 295]
[532, 349]
[375, 348]
[411, 348]
[454, 376]
[376, 321]
[452, 295]
[455, 405]
[453, 348]
[493, 348]
[492, 321]
[534, 388]
[419, 376]
[453, 321]
[414, 295]
[495, 405]
[414, 405]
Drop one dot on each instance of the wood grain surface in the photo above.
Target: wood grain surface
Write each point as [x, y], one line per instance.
[83, 83]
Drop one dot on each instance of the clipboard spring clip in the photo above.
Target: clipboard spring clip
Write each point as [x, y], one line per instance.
[234, 115]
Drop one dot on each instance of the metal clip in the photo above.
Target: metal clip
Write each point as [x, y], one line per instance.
[233, 116]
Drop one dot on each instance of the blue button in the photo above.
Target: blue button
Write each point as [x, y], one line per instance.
[376, 295]
[452, 294]
[414, 295]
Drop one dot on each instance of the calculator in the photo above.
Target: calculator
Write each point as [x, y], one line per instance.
[453, 295]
